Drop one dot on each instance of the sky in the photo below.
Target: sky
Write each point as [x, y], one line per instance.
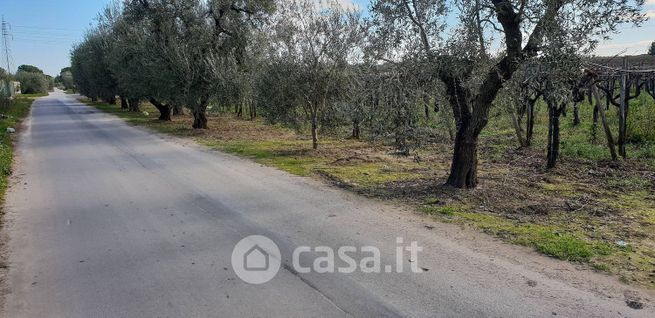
[44, 31]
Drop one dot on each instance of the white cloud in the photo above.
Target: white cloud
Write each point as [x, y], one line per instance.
[623, 45]
[650, 2]
[651, 13]
[630, 48]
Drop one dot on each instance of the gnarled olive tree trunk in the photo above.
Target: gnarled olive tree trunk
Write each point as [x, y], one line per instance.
[314, 122]
[200, 118]
[200, 113]
[178, 110]
[164, 109]
[110, 99]
[576, 114]
[134, 104]
[471, 110]
[253, 110]
[356, 129]
[464, 167]
[554, 112]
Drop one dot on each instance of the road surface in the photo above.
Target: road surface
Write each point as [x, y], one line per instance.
[108, 220]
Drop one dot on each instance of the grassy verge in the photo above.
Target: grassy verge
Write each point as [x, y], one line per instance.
[588, 210]
[10, 117]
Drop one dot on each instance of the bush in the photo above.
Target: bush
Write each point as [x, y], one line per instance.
[32, 83]
[29, 69]
[51, 83]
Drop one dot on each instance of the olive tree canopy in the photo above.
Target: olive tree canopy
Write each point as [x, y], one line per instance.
[490, 42]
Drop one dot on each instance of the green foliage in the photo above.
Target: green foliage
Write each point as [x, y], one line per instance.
[565, 247]
[545, 239]
[651, 49]
[268, 152]
[29, 69]
[640, 121]
[65, 79]
[33, 83]
[308, 71]
[440, 210]
[16, 110]
[50, 83]
[4, 87]
[4, 75]
[173, 53]
[90, 67]
[277, 95]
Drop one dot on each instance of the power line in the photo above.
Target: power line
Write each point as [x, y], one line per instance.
[48, 37]
[6, 27]
[46, 28]
[30, 43]
[46, 33]
[39, 40]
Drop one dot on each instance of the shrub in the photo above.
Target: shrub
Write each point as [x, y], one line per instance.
[32, 83]
[29, 69]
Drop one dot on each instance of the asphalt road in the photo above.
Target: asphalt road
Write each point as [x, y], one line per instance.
[108, 220]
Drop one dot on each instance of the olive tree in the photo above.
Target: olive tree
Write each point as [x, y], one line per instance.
[32, 83]
[206, 42]
[473, 77]
[240, 31]
[172, 53]
[90, 66]
[316, 45]
[142, 28]
[161, 54]
[66, 78]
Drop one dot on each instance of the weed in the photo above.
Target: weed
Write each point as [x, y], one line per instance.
[11, 116]
[601, 267]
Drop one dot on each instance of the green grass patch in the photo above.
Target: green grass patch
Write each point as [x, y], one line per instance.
[10, 117]
[560, 187]
[583, 141]
[549, 240]
[284, 155]
[601, 267]
[637, 204]
[371, 174]
[436, 210]
[543, 238]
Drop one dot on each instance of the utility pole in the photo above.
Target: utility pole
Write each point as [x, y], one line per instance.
[5, 41]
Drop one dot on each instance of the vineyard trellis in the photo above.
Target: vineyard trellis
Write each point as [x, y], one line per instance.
[619, 86]
[603, 84]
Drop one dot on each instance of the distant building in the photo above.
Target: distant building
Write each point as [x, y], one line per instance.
[9, 88]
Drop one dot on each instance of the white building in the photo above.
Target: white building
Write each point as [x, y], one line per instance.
[9, 88]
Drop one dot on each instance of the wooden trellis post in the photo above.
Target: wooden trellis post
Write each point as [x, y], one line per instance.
[606, 127]
[623, 108]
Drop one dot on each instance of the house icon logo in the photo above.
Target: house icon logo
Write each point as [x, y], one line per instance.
[256, 259]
